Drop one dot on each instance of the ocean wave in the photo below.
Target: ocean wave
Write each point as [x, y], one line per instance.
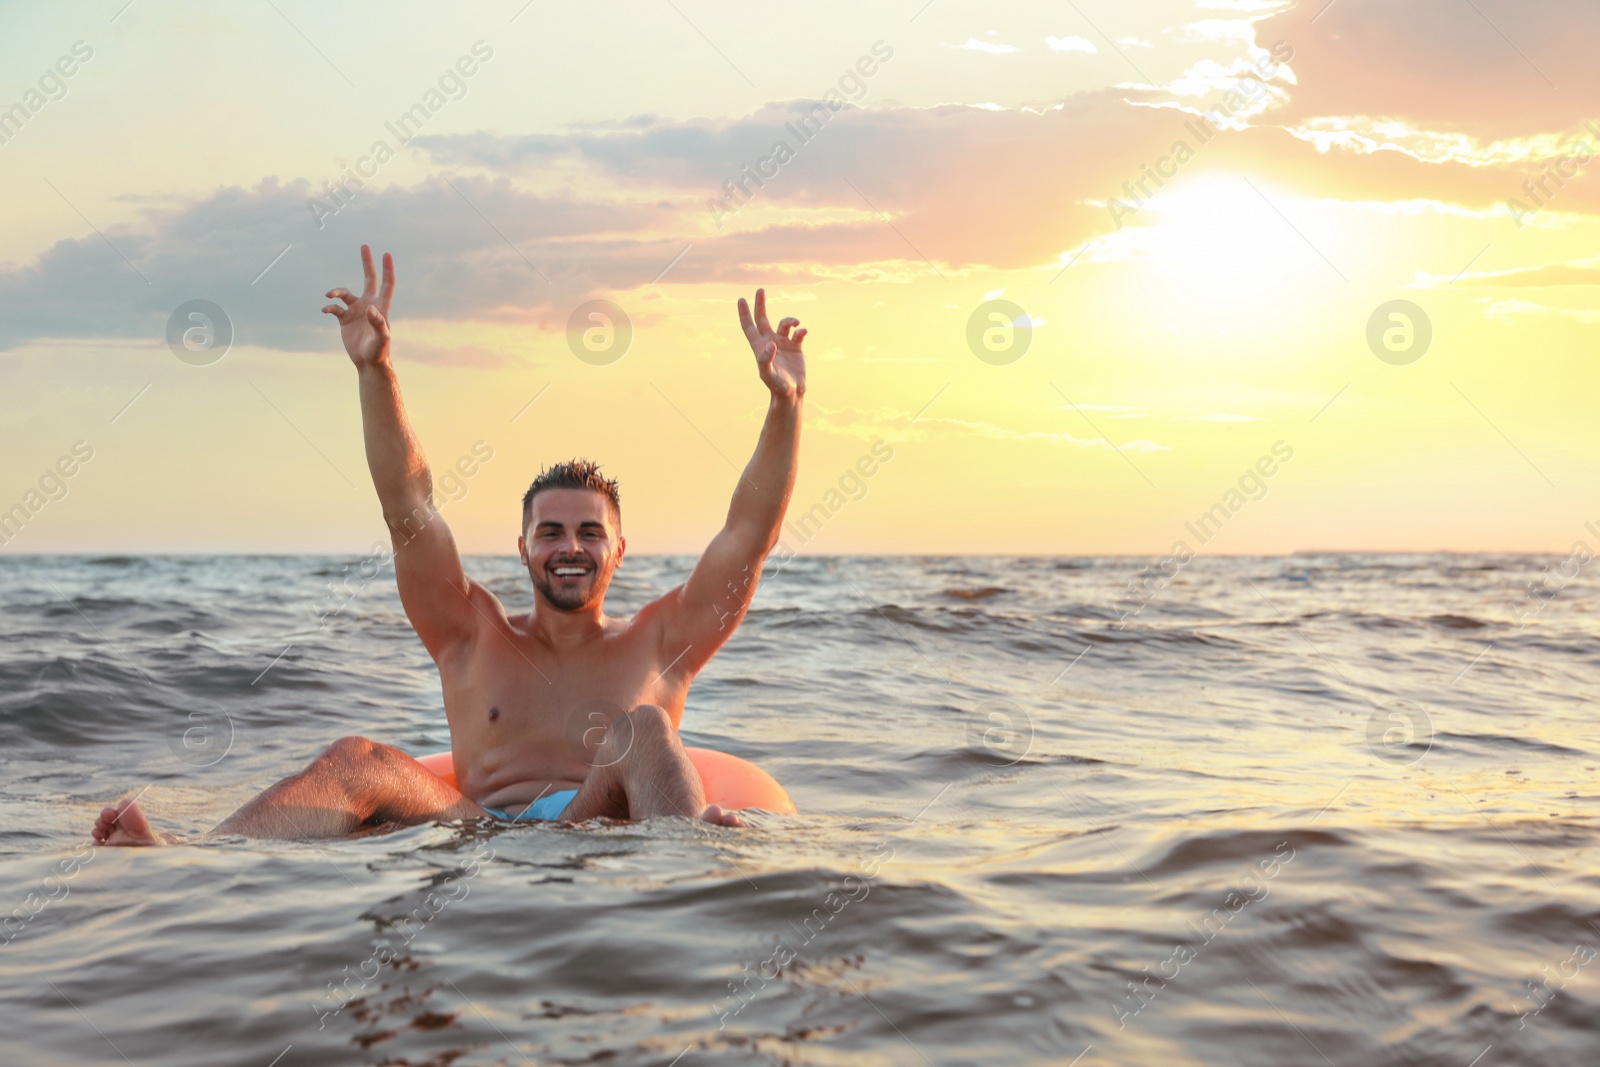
[955, 887]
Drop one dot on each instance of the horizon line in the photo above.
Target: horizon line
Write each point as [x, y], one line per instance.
[832, 555]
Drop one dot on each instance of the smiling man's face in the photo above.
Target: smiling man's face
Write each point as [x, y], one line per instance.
[571, 546]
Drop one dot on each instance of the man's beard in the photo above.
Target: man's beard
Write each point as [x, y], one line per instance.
[572, 598]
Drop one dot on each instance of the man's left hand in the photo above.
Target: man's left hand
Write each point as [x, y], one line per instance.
[778, 355]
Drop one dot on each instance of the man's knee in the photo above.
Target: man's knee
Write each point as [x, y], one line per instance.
[359, 768]
[348, 750]
[642, 731]
[651, 720]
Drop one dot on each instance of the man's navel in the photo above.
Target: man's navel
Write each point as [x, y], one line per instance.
[494, 713]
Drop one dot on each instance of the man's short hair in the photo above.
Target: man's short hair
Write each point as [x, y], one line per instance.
[573, 474]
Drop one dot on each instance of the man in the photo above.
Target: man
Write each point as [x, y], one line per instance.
[560, 712]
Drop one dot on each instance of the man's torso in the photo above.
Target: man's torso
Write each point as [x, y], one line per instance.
[526, 718]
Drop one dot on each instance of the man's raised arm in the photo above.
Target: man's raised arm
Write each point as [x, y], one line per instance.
[701, 614]
[433, 586]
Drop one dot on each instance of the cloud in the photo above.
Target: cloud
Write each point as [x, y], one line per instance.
[1071, 44]
[1490, 69]
[1364, 134]
[964, 186]
[1240, 30]
[1253, 82]
[527, 226]
[994, 48]
[1576, 272]
[452, 264]
[967, 188]
[1513, 308]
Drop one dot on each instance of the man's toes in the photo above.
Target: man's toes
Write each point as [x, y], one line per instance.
[717, 817]
[102, 825]
[125, 824]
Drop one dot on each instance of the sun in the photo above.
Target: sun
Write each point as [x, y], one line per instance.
[1231, 250]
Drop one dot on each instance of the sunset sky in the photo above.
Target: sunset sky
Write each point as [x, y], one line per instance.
[1364, 152]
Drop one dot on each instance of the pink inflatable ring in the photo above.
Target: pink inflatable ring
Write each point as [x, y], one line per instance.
[733, 783]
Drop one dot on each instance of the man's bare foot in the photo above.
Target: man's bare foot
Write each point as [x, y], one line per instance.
[126, 825]
[717, 817]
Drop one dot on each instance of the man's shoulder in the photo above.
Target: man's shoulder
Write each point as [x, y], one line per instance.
[485, 613]
[653, 619]
[485, 604]
[657, 611]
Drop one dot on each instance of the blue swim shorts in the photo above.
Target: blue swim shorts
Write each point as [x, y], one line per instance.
[547, 808]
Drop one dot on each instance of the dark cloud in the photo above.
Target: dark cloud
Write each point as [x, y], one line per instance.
[963, 184]
[967, 186]
[466, 247]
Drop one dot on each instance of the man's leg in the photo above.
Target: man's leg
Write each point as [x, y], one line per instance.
[353, 783]
[641, 771]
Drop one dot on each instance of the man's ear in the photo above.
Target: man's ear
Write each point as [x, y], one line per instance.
[622, 548]
[522, 549]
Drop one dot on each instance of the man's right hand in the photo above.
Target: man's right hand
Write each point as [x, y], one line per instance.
[442, 603]
[364, 320]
